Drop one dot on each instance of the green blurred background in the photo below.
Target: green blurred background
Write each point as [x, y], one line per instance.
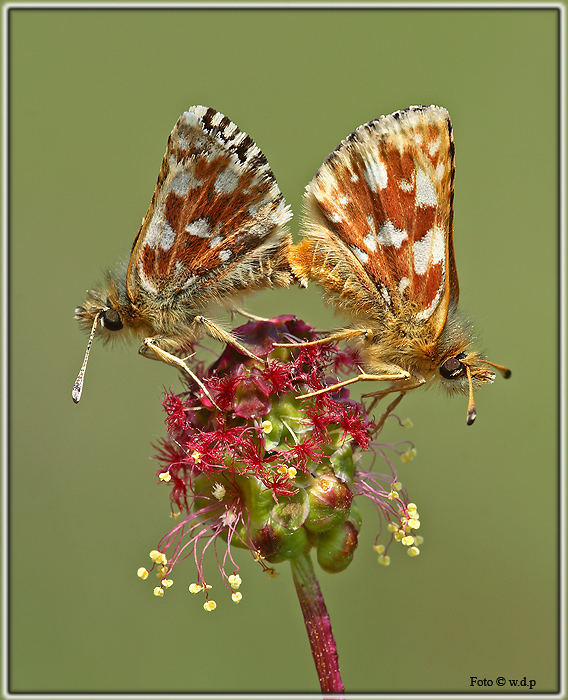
[94, 95]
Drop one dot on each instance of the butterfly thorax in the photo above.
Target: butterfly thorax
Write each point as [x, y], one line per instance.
[410, 345]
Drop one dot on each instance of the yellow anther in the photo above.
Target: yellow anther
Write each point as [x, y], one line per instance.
[411, 506]
[209, 605]
[167, 582]
[257, 556]
[407, 423]
[196, 456]
[396, 485]
[282, 470]
[414, 523]
[413, 551]
[407, 541]
[162, 571]
[391, 527]
[234, 581]
[155, 555]
[408, 455]
[266, 426]
[237, 597]
[398, 535]
[379, 548]
[162, 560]
[272, 572]
[384, 560]
[418, 540]
[176, 515]
[392, 495]
[195, 588]
[142, 573]
[219, 491]
[291, 472]
[165, 476]
[159, 592]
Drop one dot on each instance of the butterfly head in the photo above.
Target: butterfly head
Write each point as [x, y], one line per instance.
[107, 313]
[463, 371]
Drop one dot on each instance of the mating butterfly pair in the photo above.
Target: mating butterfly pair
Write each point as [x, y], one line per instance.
[378, 240]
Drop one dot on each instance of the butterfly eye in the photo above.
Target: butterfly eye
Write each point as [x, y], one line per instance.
[111, 320]
[453, 367]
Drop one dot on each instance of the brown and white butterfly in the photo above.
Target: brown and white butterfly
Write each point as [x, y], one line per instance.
[379, 240]
[214, 229]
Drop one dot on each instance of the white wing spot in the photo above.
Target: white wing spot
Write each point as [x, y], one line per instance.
[425, 190]
[189, 281]
[434, 146]
[429, 250]
[153, 232]
[376, 174]
[390, 235]
[370, 242]
[407, 185]
[361, 255]
[180, 183]
[426, 313]
[230, 130]
[145, 282]
[403, 284]
[226, 182]
[386, 296]
[335, 218]
[225, 254]
[343, 200]
[440, 170]
[215, 241]
[199, 228]
[354, 177]
[168, 236]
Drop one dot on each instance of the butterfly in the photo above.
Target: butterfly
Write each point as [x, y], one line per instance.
[379, 240]
[215, 228]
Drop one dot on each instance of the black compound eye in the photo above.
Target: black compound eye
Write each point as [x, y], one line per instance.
[111, 320]
[453, 367]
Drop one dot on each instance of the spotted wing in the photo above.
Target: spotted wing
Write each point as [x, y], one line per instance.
[215, 223]
[380, 213]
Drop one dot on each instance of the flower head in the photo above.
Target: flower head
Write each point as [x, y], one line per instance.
[262, 471]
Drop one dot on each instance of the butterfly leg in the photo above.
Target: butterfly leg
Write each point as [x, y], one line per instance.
[378, 395]
[169, 359]
[345, 334]
[363, 377]
[224, 336]
[390, 408]
[242, 312]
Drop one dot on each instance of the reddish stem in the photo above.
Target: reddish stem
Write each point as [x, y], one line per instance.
[318, 625]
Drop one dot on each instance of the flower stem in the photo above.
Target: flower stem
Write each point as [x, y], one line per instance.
[318, 624]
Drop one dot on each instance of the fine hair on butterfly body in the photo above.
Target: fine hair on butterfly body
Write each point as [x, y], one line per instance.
[215, 229]
[379, 240]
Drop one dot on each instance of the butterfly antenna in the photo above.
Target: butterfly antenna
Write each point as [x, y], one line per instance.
[471, 412]
[505, 371]
[78, 386]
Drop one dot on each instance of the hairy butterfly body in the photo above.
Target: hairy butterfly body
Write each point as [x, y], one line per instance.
[214, 229]
[379, 240]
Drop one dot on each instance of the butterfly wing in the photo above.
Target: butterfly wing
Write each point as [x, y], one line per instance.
[215, 223]
[379, 219]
